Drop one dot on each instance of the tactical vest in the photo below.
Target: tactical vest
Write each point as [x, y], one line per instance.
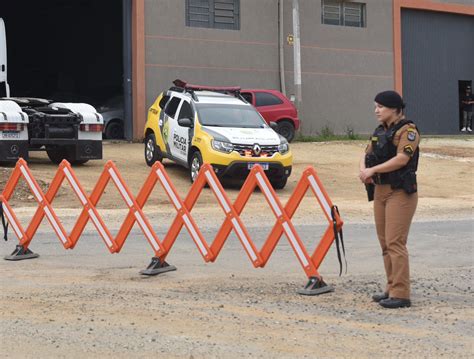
[383, 150]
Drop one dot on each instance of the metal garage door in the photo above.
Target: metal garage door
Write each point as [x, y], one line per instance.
[437, 53]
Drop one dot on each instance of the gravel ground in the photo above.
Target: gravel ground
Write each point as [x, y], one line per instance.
[87, 303]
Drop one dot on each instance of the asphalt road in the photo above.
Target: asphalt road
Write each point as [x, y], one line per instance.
[88, 303]
[432, 245]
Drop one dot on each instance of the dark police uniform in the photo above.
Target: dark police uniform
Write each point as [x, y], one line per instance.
[467, 110]
[395, 200]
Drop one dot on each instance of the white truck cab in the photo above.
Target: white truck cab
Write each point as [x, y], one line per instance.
[71, 131]
[4, 88]
[13, 131]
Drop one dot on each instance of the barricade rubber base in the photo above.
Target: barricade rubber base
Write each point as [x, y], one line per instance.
[21, 253]
[315, 286]
[157, 267]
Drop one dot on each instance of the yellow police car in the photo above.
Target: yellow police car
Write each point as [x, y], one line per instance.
[192, 125]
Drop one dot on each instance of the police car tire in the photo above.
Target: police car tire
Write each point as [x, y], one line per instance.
[150, 145]
[279, 183]
[196, 157]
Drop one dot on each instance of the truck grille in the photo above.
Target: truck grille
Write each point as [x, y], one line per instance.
[248, 150]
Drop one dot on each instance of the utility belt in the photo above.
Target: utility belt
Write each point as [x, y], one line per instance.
[381, 178]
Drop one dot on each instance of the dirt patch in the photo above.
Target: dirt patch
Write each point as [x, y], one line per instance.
[22, 193]
[88, 303]
[445, 168]
[459, 152]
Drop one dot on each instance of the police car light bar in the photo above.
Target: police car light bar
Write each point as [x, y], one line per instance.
[190, 87]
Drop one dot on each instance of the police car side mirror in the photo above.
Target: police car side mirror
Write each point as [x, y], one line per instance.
[274, 126]
[185, 122]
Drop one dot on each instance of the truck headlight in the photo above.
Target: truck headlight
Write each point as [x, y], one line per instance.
[222, 146]
[283, 147]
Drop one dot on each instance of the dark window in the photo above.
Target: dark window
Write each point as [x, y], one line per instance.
[247, 96]
[343, 13]
[3, 89]
[229, 116]
[164, 100]
[266, 99]
[172, 106]
[186, 111]
[215, 14]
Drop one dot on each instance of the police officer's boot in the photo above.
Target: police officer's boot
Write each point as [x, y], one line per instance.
[393, 303]
[379, 296]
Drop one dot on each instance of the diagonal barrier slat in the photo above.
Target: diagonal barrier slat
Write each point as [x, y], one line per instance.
[134, 209]
[158, 174]
[88, 206]
[44, 206]
[93, 199]
[309, 182]
[257, 178]
[16, 225]
[231, 215]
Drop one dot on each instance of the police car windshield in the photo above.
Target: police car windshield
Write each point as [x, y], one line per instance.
[229, 116]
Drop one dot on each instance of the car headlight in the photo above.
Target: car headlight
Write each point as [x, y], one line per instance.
[283, 147]
[222, 146]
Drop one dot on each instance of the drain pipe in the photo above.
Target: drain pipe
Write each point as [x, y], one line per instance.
[280, 47]
[297, 52]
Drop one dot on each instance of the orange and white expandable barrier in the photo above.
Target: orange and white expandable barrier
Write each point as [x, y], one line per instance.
[161, 248]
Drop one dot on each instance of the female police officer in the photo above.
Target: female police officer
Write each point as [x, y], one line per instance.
[390, 163]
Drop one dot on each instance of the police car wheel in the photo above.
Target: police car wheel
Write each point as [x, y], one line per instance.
[279, 183]
[152, 151]
[195, 165]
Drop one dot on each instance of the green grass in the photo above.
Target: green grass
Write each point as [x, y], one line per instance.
[326, 134]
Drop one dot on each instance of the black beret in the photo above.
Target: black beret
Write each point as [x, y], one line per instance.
[389, 99]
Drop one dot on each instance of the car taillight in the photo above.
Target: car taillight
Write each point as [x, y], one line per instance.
[91, 128]
[12, 126]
